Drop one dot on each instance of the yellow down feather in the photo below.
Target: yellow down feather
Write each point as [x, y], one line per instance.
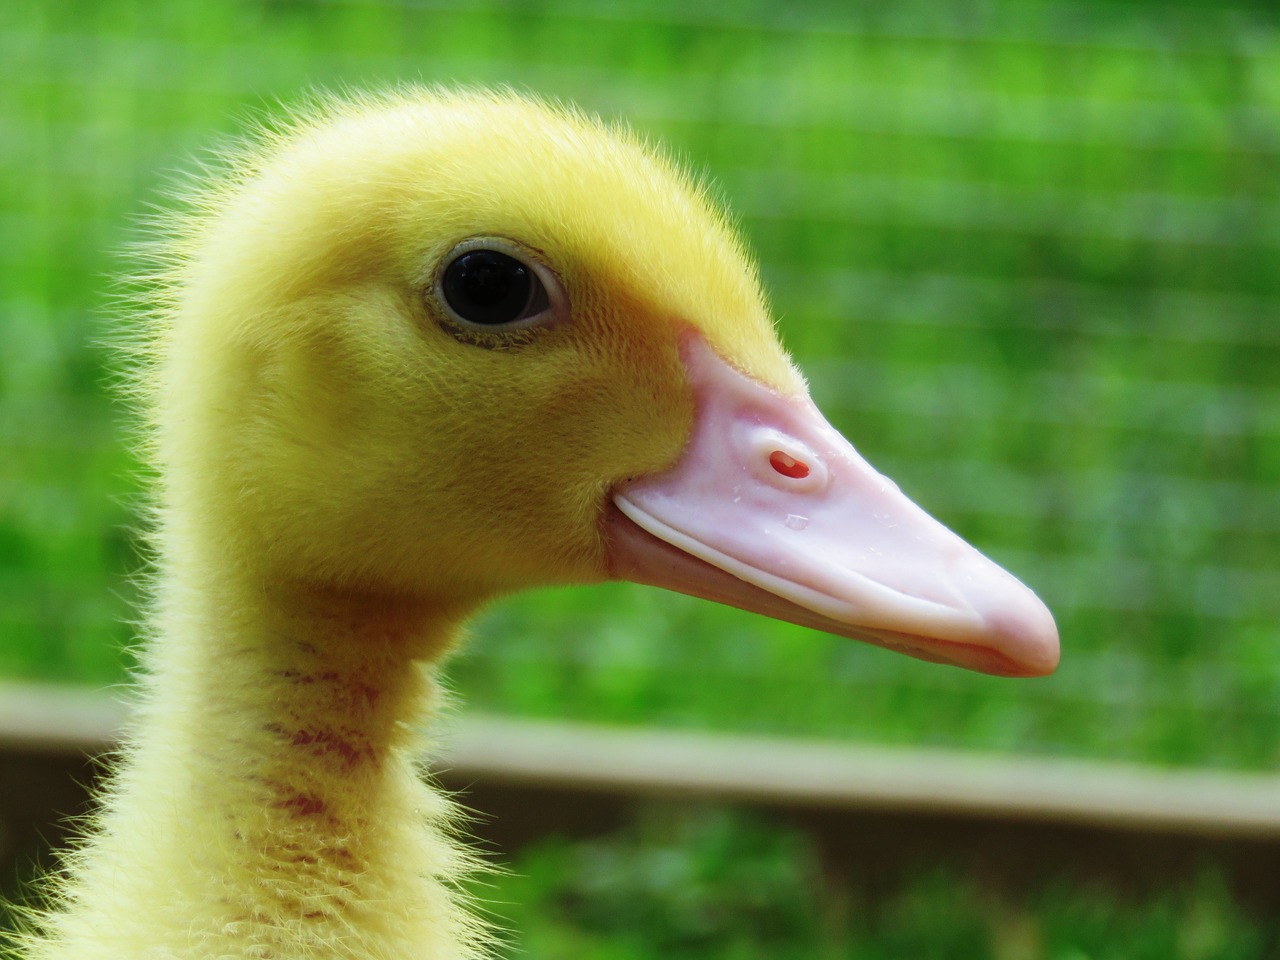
[342, 481]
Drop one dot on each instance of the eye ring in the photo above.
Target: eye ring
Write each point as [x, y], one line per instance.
[491, 285]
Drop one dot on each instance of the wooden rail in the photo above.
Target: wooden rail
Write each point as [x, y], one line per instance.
[503, 750]
[807, 773]
[59, 720]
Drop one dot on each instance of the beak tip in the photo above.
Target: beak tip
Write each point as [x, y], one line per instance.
[1028, 635]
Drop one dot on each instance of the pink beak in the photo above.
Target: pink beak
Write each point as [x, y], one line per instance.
[771, 510]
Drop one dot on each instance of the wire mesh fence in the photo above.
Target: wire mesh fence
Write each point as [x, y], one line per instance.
[1029, 256]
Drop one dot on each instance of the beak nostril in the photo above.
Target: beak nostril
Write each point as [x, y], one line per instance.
[788, 465]
[780, 461]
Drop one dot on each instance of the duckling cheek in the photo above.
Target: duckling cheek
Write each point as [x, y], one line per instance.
[768, 492]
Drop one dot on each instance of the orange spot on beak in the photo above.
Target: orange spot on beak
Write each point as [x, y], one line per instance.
[788, 466]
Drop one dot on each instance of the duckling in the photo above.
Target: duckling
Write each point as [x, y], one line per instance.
[411, 353]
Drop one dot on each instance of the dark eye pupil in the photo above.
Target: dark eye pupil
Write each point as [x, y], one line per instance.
[488, 287]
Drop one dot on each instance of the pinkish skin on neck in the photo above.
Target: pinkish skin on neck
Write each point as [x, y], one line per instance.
[269, 802]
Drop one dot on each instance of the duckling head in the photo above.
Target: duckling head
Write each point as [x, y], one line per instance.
[448, 345]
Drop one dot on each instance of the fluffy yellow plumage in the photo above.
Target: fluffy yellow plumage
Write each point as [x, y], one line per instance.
[333, 229]
[348, 469]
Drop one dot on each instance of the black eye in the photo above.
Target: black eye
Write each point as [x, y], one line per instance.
[490, 288]
[496, 293]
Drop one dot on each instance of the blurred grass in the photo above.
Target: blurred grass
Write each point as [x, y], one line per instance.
[1029, 255]
[706, 885]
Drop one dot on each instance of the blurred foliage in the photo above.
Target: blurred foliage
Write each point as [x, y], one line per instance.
[706, 885]
[1028, 253]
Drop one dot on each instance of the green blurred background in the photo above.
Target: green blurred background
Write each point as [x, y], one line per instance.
[1028, 254]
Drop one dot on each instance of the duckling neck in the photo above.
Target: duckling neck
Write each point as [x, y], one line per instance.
[308, 702]
[270, 804]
